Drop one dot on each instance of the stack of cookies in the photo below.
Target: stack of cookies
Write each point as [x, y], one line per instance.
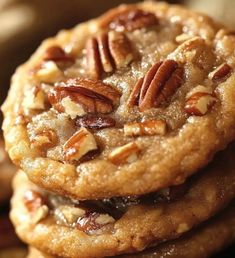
[122, 129]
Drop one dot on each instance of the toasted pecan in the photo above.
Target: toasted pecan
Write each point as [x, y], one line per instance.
[94, 96]
[157, 86]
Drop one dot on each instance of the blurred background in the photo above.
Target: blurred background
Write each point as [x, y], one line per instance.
[23, 25]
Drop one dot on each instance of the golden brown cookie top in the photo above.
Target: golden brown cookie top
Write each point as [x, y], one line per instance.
[129, 103]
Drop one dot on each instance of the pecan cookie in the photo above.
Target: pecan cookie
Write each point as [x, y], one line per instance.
[119, 225]
[7, 171]
[126, 104]
[201, 243]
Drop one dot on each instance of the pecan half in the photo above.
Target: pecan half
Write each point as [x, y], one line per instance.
[92, 96]
[199, 101]
[57, 54]
[124, 154]
[130, 19]
[220, 73]
[95, 122]
[151, 127]
[79, 144]
[94, 221]
[107, 52]
[157, 86]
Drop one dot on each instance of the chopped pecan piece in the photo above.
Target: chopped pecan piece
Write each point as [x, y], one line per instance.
[182, 227]
[131, 19]
[44, 138]
[151, 127]
[91, 96]
[182, 38]
[33, 200]
[36, 205]
[95, 122]
[220, 73]
[48, 72]
[124, 154]
[157, 86]
[94, 221]
[69, 214]
[72, 108]
[34, 98]
[190, 44]
[199, 101]
[79, 144]
[106, 52]
[57, 54]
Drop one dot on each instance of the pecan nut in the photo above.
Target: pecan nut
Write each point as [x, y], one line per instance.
[130, 19]
[78, 145]
[48, 72]
[33, 200]
[69, 214]
[157, 86]
[199, 101]
[107, 52]
[182, 38]
[45, 138]
[34, 98]
[220, 73]
[93, 222]
[36, 205]
[57, 54]
[124, 154]
[72, 108]
[151, 127]
[90, 96]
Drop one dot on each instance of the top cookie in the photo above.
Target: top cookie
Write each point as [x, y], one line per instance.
[126, 104]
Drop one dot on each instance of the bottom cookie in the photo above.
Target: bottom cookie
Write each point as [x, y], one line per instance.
[203, 242]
